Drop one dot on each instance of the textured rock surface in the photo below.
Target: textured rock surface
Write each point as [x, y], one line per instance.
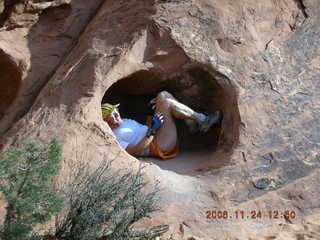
[37, 51]
[262, 62]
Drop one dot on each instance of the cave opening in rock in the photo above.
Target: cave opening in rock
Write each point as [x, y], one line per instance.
[10, 80]
[194, 87]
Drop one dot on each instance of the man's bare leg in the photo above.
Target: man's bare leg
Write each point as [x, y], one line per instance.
[167, 135]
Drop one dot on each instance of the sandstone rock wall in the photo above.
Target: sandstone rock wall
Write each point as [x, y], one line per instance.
[38, 46]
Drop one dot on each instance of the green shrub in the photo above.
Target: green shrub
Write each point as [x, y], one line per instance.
[105, 204]
[100, 205]
[25, 176]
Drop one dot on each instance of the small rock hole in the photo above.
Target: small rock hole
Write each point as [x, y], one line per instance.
[194, 87]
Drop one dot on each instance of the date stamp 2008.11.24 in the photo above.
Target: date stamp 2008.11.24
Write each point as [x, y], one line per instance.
[251, 214]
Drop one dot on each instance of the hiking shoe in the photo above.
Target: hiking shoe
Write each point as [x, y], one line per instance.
[211, 119]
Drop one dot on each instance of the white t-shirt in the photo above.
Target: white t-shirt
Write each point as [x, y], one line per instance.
[130, 132]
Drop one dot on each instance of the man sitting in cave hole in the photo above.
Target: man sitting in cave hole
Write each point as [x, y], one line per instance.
[159, 137]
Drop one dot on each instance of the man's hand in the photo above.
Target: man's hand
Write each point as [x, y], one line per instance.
[157, 121]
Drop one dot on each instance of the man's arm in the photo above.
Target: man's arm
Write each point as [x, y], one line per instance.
[138, 150]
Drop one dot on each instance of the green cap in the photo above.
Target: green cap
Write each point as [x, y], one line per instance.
[107, 108]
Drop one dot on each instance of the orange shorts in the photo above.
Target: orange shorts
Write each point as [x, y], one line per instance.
[156, 152]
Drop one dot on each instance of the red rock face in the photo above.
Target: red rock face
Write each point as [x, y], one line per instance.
[42, 38]
[11, 80]
[257, 61]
